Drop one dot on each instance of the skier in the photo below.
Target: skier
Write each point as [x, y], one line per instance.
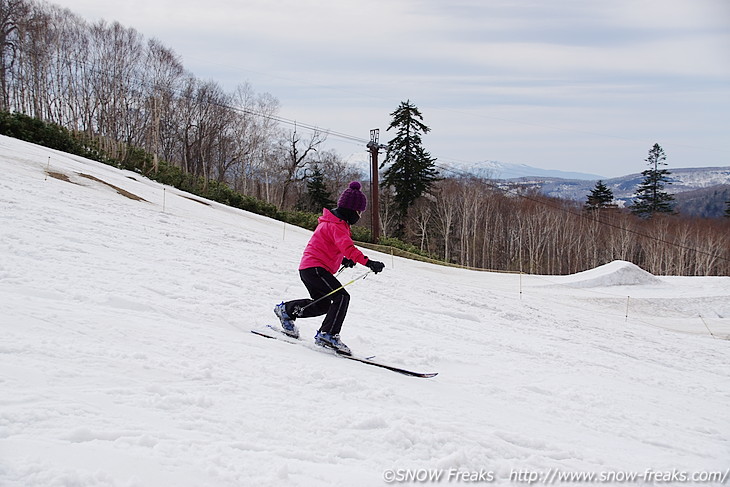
[329, 247]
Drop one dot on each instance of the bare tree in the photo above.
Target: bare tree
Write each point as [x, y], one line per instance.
[421, 214]
[165, 73]
[446, 209]
[254, 128]
[11, 13]
[297, 151]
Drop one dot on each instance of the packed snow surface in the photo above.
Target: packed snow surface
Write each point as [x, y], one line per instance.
[126, 357]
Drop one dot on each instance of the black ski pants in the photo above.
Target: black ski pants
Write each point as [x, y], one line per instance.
[319, 282]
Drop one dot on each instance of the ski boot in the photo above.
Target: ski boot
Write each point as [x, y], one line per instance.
[287, 323]
[331, 341]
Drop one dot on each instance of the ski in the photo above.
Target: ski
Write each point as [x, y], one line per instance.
[286, 338]
[393, 368]
[281, 332]
[275, 334]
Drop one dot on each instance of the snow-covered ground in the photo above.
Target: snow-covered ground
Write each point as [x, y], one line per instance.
[126, 357]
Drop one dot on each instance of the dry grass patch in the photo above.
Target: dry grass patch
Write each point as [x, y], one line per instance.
[119, 190]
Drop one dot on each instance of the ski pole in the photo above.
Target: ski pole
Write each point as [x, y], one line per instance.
[299, 311]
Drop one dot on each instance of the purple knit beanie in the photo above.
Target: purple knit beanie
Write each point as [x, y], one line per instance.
[352, 198]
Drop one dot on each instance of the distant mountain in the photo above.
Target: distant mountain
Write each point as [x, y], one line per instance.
[698, 191]
[505, 170]
[706, 202]
[484, 169]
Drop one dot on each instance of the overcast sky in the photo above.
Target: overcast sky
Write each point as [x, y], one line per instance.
[574, 85]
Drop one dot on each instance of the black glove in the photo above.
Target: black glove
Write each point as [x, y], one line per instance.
[375, 266]
[347, 262]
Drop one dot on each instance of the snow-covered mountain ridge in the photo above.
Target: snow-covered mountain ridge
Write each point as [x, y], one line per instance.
[689, 184]
[682, 180]
[126, 358]
[483, 169]
[505, 171]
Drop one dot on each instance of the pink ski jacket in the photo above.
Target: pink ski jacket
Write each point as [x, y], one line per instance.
[329, 244]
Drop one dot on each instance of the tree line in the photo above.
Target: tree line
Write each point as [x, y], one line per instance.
[476, 223]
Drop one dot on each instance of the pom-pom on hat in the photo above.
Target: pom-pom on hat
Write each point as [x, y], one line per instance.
[352, 198]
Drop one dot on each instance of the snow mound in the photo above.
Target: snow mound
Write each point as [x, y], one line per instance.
[616, 273]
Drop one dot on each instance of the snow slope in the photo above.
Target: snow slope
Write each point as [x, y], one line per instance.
[126, 357]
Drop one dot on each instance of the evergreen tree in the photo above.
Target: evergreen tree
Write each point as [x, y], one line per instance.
[317, 195]
[651, 197]
[600, 197]
[727, 210]
[411, 171]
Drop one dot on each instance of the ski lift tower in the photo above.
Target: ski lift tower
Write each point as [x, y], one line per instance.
[374, 148]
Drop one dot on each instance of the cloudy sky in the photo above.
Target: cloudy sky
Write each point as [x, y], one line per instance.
[574, 85]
